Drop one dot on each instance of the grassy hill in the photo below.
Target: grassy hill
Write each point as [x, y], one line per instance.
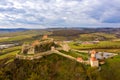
[62, 34]
[5, 30]
[55, 67]
[96, 36]
[22, 36]
[52, 67]
[85, 34]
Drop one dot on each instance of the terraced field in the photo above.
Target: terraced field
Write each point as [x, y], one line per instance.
[9, 55]
[112, 46]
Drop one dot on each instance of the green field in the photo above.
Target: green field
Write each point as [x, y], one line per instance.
[76, 54]
[111, 69]
[11, 49]
[9, 54]
[22, 36]
[96, 36]
[112, 46]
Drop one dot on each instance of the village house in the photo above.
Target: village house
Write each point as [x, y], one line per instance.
[93, 61]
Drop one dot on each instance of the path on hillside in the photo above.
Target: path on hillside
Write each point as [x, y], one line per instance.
[62, 54]
[70, 57]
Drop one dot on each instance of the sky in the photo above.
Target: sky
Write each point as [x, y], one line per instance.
[59, 13]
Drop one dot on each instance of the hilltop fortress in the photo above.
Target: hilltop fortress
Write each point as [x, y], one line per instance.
[41, 47]
[38, 46]
[46, 46]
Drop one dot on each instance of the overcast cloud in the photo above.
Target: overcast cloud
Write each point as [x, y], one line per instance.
[59, 13]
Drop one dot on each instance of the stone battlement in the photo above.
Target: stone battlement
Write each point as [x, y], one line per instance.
[34, 56]
[38, 48]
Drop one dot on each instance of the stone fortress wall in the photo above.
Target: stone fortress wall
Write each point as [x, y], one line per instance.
[29, 50]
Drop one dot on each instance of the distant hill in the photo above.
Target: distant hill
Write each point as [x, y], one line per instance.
[3, 30]
[82, 34]
[86, 34]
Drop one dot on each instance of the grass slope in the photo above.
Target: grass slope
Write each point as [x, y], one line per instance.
[52, 67]
[110, 46]
[55, 67]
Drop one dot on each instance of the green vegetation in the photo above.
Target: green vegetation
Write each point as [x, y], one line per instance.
[100, 46]
[96, 36]
[52, 67]
[28, 32]
[76, 54]
[111, 69]
[83, 35]
[23, 36]
[65, 34]
[17, 38]
[109, 50]
[10, 54]
[56, 67]
[58, 38]
[11, 49]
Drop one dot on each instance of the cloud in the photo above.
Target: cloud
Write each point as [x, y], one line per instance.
[55, 13]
